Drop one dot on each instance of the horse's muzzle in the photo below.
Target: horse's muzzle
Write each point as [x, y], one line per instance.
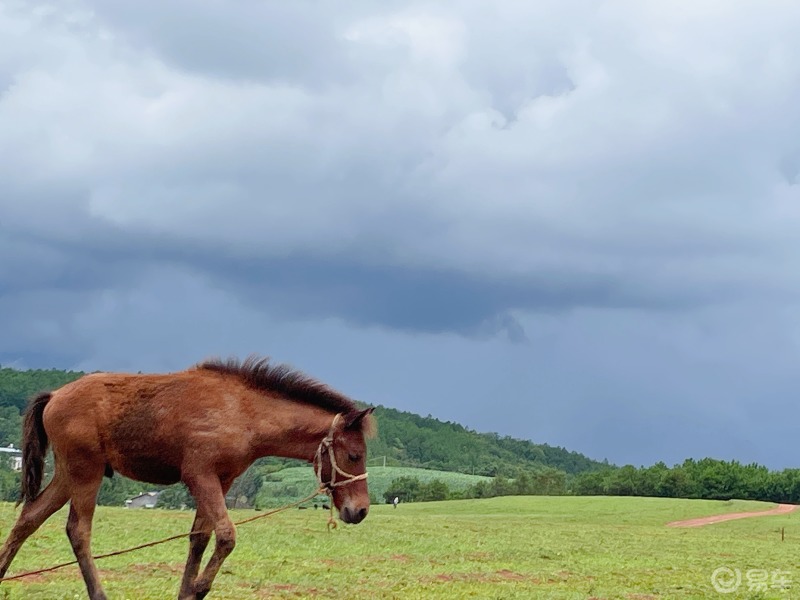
[353, 515]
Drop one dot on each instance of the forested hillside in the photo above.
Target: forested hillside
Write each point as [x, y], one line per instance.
[405, 439]
[17, 386]
[15, 389]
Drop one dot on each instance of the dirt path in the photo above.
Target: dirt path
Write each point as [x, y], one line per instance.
[781, 509]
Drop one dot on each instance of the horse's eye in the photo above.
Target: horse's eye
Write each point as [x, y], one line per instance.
[354, 457]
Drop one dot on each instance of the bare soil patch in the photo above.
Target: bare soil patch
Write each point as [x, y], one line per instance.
[781, 509]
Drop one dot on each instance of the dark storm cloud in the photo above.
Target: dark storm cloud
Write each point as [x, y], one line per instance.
[422, 300]
[430, 300]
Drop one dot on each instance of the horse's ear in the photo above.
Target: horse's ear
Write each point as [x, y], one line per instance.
[360, 419]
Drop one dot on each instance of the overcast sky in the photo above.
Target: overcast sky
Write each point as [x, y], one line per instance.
[576, 222]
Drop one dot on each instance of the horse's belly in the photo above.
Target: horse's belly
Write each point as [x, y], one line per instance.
[138, 447]
[151, 469]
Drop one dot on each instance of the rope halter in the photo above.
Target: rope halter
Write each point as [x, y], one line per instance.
[326, 445]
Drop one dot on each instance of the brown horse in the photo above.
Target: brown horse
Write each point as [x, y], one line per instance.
[203, 426]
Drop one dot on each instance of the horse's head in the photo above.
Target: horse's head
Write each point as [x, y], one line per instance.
[346, 474]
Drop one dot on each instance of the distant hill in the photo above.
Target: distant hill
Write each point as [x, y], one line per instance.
[284, 486]
[408, 439]
[404, 439]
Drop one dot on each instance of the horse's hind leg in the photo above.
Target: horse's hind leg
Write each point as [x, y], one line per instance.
[33, 514]
[79, 528]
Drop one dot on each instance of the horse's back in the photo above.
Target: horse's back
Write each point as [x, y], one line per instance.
[101, 397]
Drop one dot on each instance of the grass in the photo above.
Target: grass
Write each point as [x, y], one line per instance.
[287, 484]
[517, 547]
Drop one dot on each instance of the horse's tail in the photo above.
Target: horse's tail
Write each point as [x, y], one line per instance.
[34, 448]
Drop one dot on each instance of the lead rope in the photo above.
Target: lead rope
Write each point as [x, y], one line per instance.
[163, 541]
[322, 488]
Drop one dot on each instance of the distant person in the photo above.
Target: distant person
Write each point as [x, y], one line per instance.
[395, 501]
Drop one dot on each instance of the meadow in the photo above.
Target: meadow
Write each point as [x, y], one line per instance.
[511, 547]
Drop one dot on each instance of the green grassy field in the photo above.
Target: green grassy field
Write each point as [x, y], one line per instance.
[518, 547]
[299, 481]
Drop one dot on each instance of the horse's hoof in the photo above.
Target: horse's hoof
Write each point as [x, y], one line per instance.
[201, 590]
[195, 594]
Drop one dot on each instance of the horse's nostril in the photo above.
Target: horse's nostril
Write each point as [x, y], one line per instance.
[354, 515]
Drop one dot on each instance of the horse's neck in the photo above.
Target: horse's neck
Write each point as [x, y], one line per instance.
[292, 431]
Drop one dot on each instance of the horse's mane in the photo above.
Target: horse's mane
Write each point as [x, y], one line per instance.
[259, 374]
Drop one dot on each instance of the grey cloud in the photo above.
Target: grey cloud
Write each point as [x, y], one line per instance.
[442, 178]
[266, 41]
[789, 166]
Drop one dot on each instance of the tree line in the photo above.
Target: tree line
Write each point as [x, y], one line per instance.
[707, 479]
[546, 482]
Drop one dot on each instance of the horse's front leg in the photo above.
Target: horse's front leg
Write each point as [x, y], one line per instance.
[198, 541]
[209, 494]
